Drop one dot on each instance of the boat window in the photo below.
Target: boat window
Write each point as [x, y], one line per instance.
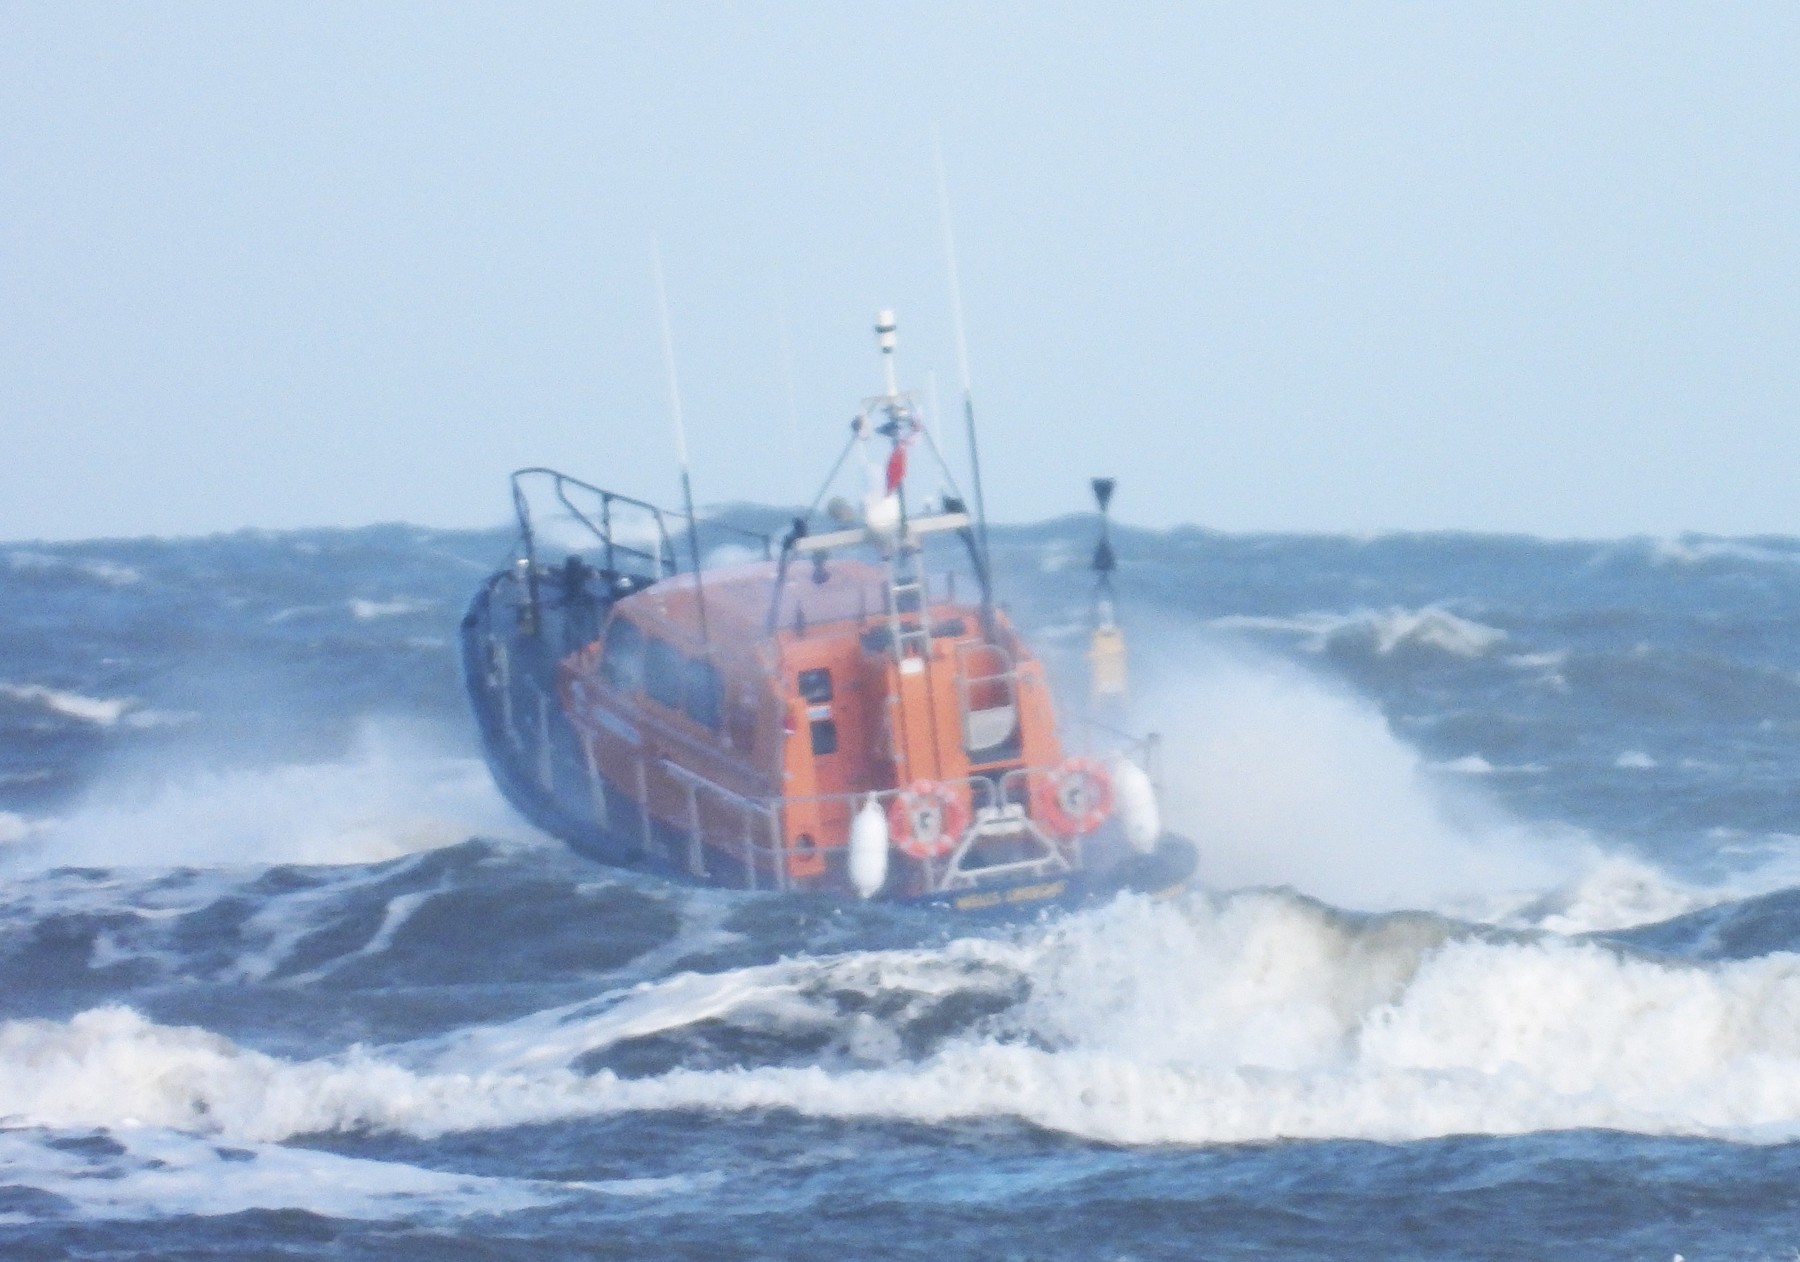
[705, 693]
[622, 661]
[815, 686]
[663, 673]
[824, 737]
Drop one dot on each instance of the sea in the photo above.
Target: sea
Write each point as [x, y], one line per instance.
[1492, 952]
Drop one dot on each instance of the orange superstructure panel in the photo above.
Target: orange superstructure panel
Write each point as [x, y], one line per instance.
[816, 709]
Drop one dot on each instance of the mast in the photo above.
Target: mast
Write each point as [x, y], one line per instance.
[887, 336]
[786, 348]
[681, 451]
[962, 364]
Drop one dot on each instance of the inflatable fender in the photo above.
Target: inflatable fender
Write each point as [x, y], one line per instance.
[1139, 814]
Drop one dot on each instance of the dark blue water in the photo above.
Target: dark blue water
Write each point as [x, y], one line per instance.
[1494, 959]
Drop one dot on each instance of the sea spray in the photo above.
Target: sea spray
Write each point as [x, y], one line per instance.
[1283, 778]
[390, 796]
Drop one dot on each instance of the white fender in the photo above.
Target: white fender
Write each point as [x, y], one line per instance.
[869, 848]
[1134, 799]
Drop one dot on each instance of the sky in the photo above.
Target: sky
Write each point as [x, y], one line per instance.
[1320, 267]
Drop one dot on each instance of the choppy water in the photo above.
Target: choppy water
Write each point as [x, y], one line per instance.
[1496, 956]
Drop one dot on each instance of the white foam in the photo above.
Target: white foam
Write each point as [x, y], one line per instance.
[1056, 556]
[1634, 760]
[1547, 665]
[1477, 765]
[1698, 549]
[1551, 659]
[300, 611]
[164, 1172]
[145, 720]
[1254, 1017]
[560, 1035]
[1468, 765]
[1616, 892]
[724, 554]
[399, 606]
[100, 711]
[282, 922]
[1268, 1018]
[1431, 627]
[100, 570]
[390, 798]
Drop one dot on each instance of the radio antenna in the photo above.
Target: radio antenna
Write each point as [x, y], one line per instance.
[786, 348]
[681, 449]
[962, 364]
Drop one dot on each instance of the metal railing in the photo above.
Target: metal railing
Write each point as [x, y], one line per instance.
[598, 517]
[750, 816]
[750, 831]
[987, 694]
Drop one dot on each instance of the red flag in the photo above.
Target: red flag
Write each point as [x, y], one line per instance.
[896, 468]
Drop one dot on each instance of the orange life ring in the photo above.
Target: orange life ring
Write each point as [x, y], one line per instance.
[926, 819]
[1075, 798]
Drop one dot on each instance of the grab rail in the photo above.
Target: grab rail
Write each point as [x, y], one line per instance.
[753, 826]
[662, 561]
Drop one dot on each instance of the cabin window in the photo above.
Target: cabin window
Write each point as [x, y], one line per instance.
[622, 661]
[705, 693]
[664, 673]
[824, 737]
[815, 686]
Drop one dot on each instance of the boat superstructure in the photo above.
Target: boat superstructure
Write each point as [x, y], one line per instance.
[843, 710]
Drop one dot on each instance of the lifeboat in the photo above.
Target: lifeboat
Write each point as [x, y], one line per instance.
[843, 711]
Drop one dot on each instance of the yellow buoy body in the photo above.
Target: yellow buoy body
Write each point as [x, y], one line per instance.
[1106, 661]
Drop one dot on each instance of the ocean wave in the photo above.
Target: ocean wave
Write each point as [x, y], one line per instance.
[1384, 631]
[98, 570]
[1256, 1017]
[398, 607]
[1615, 892]
[100, 711]
[1700, 549]
[137, 1172]
[1476, 765]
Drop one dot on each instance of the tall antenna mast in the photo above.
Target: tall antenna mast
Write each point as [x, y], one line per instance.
[886, 336]
[681, 451]
[962, 364]
[787, 381]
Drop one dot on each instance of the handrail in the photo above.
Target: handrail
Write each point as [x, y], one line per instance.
[663, 560]
[992, 801]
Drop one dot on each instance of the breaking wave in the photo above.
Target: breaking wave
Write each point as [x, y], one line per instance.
[100, 711]
[1383, 632]
[139, 1172]
[93, 569]
[1252, 1017]
[399, 607]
